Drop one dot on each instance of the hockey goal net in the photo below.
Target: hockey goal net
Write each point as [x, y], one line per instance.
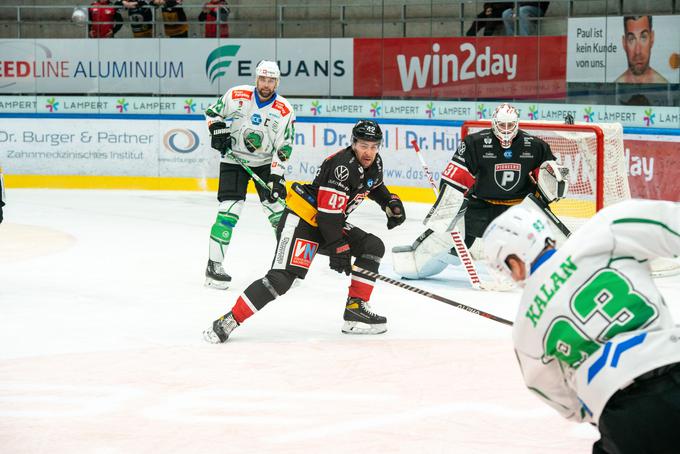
[598, 176]
[593, 153]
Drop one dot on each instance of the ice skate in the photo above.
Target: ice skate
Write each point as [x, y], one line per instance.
[359, 319]
[221, 329]
[215, 276]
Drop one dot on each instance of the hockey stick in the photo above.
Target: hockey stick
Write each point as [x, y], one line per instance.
[253, 175]
[458, 242]
[419, 291]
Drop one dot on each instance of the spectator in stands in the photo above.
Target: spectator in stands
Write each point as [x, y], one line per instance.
[489, 19]
[105, 19]
[141, 17]
[528, 14]
[637, 40]
[174, 18]
[215, 14]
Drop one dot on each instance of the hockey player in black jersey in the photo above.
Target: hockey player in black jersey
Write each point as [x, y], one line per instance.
[491, 171]
[315, 222]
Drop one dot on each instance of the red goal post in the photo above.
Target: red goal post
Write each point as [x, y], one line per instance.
[595, 156]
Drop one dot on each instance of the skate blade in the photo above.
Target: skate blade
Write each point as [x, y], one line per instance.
[363, 328]
[217, 285]
[210, 336]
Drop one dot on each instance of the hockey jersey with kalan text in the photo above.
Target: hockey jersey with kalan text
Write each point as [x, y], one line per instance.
[591, 318]
[340, 186]
[483, 169]
[261, 132]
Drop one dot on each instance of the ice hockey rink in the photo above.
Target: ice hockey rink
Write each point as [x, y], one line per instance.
[102, 306]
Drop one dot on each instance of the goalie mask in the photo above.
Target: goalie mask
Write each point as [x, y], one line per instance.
[519, 231]
[267, 68]
[505, 124]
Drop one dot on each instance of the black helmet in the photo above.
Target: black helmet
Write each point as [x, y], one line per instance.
[367, 130]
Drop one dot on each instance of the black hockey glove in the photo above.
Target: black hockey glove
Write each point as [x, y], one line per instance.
[395, 212]
[220, 137]
[340, 257]
[277, 188]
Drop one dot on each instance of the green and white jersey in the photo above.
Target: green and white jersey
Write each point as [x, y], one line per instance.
[261, 132]
[591, 318]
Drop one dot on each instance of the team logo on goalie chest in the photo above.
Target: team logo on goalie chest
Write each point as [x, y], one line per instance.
[507, 175]
[303, 253]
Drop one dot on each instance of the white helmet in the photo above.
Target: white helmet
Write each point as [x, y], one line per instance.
[79, 15]
[520, 231]
[268, 68]
[505, 124]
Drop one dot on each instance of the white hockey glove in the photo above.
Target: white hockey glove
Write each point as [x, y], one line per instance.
[553, 181]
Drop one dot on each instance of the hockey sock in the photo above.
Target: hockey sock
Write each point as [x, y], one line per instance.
[222, 229]
[362, 285]
[274, 211]
[261, 292]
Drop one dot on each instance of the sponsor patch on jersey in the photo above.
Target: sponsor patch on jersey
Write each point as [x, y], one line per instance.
[256, 119]
[241, 94]
[461, 149]
[507, 154]
[341, 173]
[281, 107]
[303, 253]
[487, 140]
[369, 183]
[507, 175]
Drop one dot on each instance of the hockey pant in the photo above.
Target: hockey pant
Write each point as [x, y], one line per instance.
[298, 243]
[643, 417]
[433, 251]
[231, 194]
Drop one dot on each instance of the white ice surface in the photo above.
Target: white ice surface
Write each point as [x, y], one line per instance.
[102, 306]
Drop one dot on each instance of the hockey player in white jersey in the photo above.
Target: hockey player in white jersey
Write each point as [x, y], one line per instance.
[593, 335]
[257, 125]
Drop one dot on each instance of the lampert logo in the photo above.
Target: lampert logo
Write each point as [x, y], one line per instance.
[316, 108]
[189, 105]
[219, 60]
[430, 109]
[533, 113]
[375, 108]
[187, 137]
[588, 115]
[481, 111]
[52, 105]
[121, 105]
[649, 117]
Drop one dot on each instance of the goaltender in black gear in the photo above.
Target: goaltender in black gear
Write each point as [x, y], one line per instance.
[491, 171]
[315, 222]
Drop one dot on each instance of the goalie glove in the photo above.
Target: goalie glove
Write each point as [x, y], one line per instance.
[220, 137]
[553, 181]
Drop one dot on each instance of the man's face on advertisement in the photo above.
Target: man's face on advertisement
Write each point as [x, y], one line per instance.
[638, 41]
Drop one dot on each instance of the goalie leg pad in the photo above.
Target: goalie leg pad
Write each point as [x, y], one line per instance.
[222, 230]
[428, 256]
[446, 211]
